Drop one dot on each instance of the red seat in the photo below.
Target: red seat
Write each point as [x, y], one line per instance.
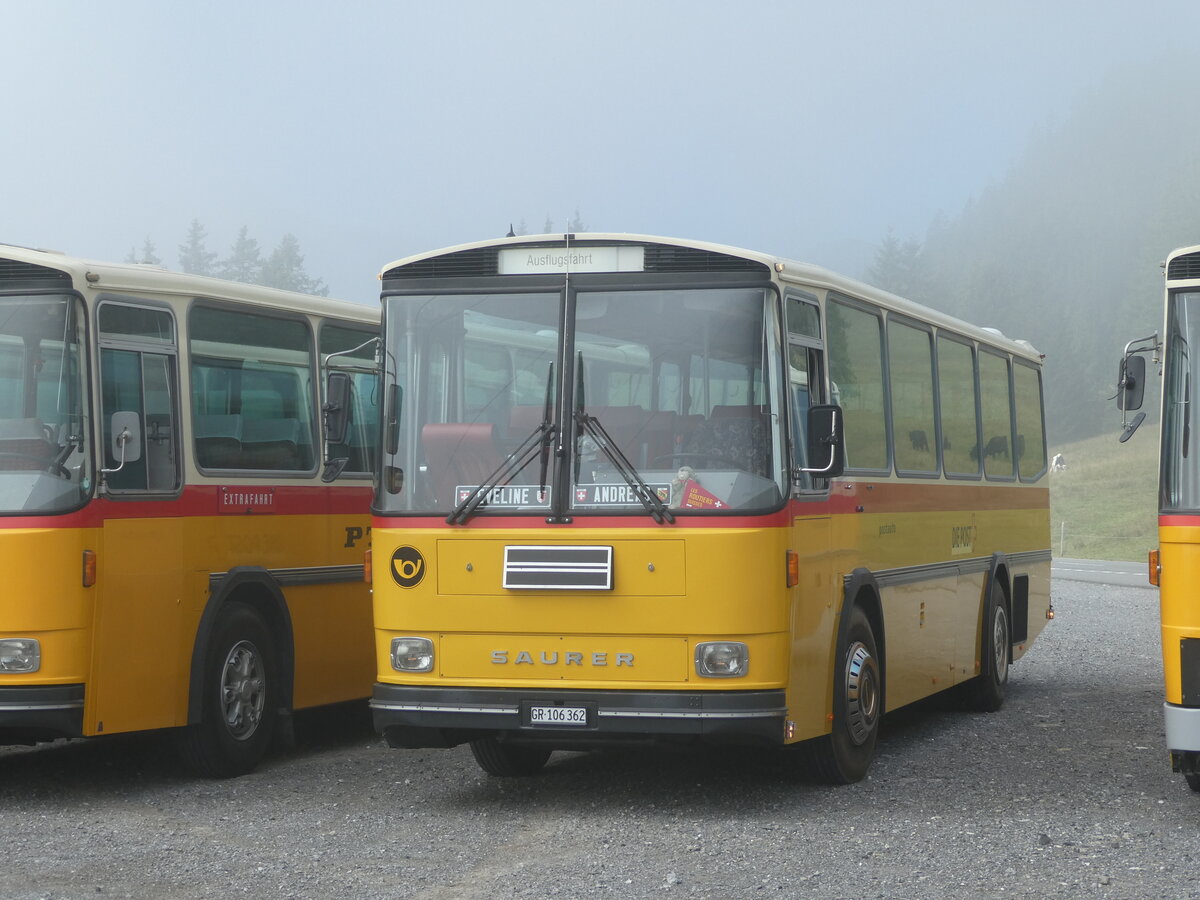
[458, 453]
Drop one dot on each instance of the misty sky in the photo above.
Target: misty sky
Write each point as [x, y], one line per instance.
[373, 130]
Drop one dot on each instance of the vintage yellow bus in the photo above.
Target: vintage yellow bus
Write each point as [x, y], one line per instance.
[172, 557]
[642, 489]
[1175, 565]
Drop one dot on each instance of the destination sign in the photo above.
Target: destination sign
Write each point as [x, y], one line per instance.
[510, 496]
[555, 260]
[604, 495]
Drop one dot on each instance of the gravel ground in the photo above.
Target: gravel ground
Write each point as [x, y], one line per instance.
[1066, 792]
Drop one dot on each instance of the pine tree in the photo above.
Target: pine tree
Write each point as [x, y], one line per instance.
[150, 254]
[194, 255]
[284, 268]
[244, 262]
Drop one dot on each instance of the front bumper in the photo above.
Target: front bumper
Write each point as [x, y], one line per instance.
[30, 713]
[414, 717]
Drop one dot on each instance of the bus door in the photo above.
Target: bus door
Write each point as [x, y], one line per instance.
[139, 659]
[812, 606]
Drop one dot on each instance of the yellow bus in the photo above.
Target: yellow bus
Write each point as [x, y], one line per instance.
[642, 489]
[1175, 565]
[171, 555]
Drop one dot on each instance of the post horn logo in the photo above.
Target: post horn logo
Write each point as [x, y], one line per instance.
[408, 566]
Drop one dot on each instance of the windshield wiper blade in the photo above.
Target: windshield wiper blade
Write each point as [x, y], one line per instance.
[513, 463]
[591, 426]
[538, 442]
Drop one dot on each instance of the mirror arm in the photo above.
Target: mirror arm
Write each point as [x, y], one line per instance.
[122, 439]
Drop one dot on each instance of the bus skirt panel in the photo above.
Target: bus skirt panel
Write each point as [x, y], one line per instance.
[416, 717]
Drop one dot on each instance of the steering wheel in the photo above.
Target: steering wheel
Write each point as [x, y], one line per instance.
[43, 464]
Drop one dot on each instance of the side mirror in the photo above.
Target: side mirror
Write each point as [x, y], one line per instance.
[126, 438]
[337, 407]
[826, 441]
[1131, 383]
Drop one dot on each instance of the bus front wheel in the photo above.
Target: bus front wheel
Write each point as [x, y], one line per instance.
[844, 755]
[237, 715]
[497, 758]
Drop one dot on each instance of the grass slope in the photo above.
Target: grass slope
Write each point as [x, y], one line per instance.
[1105, 504]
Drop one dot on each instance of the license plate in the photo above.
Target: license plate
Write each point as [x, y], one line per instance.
[558, 715]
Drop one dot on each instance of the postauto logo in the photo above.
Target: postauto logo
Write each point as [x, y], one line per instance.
[408, 566]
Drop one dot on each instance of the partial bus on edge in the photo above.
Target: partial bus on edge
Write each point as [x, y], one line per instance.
[171, 556]
[642, 489]
[1175, 565]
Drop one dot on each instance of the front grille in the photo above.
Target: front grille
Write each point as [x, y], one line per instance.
[30, 275]
[558, 568]
[484, 261]
[1187, 266]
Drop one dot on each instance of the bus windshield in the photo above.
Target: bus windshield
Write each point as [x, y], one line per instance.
[44, 463]
[1180, 487]
[657, 398]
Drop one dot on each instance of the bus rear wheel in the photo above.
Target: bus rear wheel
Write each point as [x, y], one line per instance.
[237, 714]
[499, 758]
[987, 689]
[844, 755]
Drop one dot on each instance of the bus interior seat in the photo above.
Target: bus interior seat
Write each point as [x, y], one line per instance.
[218, 440]
[25, 444]
[459, 453]
[738, 434]
[274, 444]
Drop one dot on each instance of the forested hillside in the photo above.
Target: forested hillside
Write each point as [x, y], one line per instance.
[1064, 249]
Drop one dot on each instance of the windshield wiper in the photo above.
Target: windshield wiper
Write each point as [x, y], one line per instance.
[591, 426]
[538, 443]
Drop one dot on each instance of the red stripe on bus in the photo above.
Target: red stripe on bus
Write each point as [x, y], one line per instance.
[211, 500]
[1178, 521]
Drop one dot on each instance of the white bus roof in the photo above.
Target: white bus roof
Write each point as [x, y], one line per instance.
[141, 278]
[786, 270]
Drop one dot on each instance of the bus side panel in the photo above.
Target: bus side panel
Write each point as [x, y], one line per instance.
[333, 640]
[921, 621]
[816, 602]
[1179, 556]
[137, 671]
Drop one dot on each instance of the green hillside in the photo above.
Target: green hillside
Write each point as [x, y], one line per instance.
[1104, 505]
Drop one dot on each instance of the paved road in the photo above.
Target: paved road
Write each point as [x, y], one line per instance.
[1065, 793]
[1097, 571]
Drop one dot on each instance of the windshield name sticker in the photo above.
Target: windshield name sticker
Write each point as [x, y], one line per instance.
[605, 495]
[508, 496]
[552, 260]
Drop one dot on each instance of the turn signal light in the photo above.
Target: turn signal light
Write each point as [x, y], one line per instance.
[367, 566]
[793, 568]
[89, 568]
[1155, 567]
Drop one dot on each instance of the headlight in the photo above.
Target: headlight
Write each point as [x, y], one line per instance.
[20, 655]
[412, 654]
[722, 659]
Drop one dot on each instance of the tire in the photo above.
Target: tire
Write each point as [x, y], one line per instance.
[986, 693]
[844, 755]
[1193, 781]
[238, 703]
[497, 758]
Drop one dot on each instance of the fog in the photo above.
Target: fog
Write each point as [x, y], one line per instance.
[374, 130]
